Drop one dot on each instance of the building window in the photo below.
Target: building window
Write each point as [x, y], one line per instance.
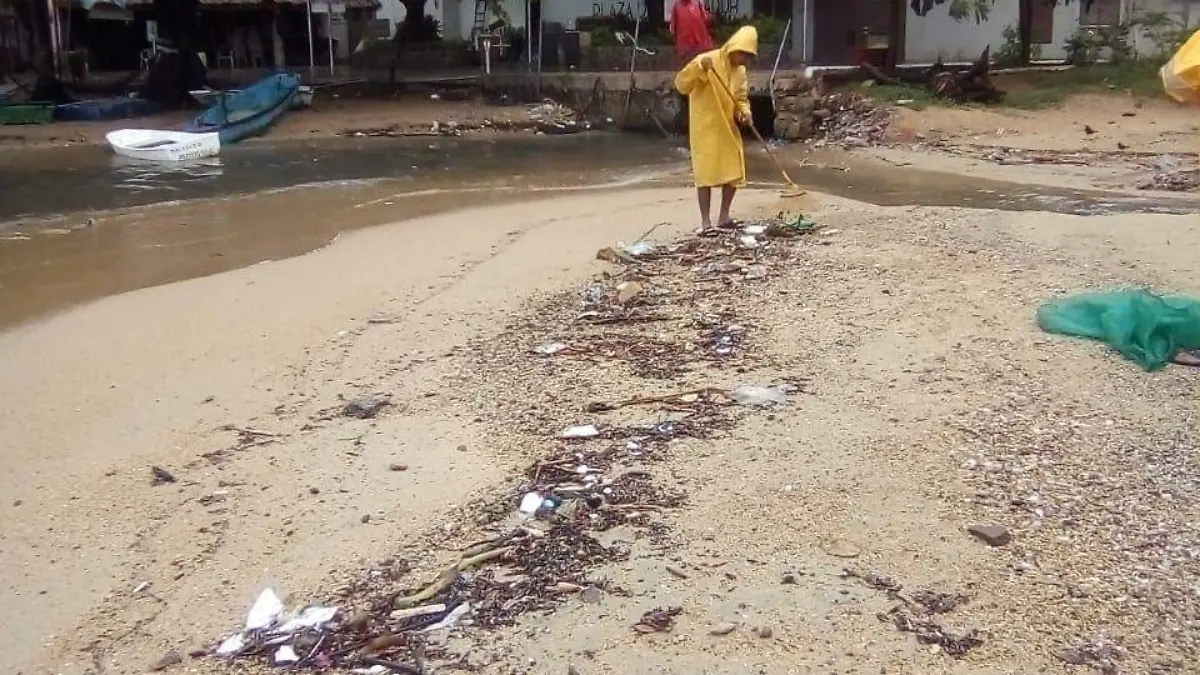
[1100, 13]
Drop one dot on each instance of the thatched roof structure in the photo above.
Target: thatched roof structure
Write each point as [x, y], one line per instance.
[349, 4]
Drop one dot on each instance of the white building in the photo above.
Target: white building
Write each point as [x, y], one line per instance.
[833, 33]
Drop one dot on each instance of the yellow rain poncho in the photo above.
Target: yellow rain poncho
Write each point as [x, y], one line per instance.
[1181, 75]
[717, 154]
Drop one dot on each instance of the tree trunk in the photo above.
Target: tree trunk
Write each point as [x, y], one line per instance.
[1025, 30]
[656, 16]
[414, 11]
[173, 74]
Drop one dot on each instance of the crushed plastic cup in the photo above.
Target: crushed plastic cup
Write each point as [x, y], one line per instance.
[550, 348]
[756, 396]
[581, 431]
[637, 248]
[530, 503]
[286, 655]
[266, 611]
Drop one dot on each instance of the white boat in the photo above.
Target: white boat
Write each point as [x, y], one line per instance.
[163, 146]
[209, 97]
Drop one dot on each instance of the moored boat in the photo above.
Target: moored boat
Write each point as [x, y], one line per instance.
[105, 109]
[210, 97]
[248, 112]
[26, 113]
[163, 146]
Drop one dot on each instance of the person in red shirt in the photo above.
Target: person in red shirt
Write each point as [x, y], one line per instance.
[689, 27]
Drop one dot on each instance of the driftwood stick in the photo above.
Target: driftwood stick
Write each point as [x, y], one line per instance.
[602, 406]
[446, 579]
[393, 665]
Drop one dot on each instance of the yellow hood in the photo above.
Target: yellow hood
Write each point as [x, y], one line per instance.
[744, 40]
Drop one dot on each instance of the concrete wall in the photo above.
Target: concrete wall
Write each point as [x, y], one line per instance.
[564, 11]
[938, 35]
[1183, 13]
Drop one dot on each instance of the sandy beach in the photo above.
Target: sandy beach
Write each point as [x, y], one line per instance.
[929, 403]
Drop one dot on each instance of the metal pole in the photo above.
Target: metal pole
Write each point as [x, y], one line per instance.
[541, 34]
[528, 35]
[637, 33]
[783, 41]
[312, 59]
[329, 34]
[52, 20]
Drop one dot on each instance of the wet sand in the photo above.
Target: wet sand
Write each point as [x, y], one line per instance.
[95, 396]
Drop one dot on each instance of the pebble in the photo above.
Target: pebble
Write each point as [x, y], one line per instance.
[722, 629]
[397, 467]
[366, 518]
[169, 659]
[366, 407]
[992, 535]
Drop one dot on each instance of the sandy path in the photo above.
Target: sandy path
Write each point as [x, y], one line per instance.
[95, 396]
[1111, 142]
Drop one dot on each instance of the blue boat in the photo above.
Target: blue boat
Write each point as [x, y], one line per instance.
[105, 109]
[250, 111]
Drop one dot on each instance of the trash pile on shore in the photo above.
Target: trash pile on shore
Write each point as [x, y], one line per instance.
[851, 120]
[547, 118]
[647, 312]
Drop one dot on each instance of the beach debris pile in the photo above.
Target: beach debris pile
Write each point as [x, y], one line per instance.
[649, 313]
[547, 118]
[541, 544]
[850, 120]
[1171, 176]
[914, 613]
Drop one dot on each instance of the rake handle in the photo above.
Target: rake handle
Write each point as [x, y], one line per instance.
[754, 129]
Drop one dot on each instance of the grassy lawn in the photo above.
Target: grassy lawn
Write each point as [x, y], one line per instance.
[1040, 90]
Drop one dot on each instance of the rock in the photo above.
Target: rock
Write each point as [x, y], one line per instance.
[161, 475]
[590, 595]
[627, 291]
[359, 621]
[314, 490]
[841, 548]
[722, 629]
[765, 632]
[17, 502]
[171, 658]
[397, 467]
[992, 535]
[366, 407]
[462, 448]
[366, 518]
[788, 579]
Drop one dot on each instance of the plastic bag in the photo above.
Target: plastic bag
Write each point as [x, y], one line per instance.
[1181, 75]
[1145, 328]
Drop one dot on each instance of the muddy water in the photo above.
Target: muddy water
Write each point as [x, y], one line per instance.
[80, 224]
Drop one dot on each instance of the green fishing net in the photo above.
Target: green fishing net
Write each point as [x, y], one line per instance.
[1145, 328]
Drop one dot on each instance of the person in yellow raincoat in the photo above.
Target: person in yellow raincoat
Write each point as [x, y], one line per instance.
[1181, 75]
[715, 119]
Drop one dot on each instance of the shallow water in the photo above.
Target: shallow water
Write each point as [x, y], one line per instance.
[80, 224]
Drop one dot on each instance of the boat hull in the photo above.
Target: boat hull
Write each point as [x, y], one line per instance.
[250, 111]
[105, 109]
[163, 146]
[210, 97]
[27, 113]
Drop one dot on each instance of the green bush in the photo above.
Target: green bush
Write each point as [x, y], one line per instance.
[770, 28]
[1089, 45]
[1009, 53]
